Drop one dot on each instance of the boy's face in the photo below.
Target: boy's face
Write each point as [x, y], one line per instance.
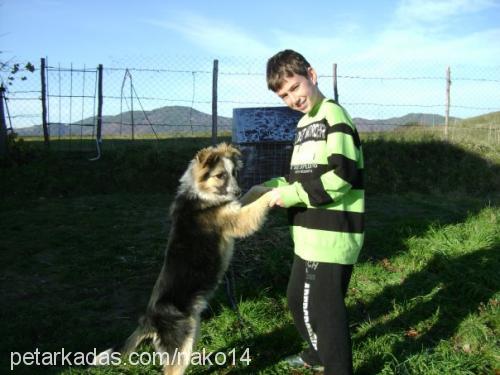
[300, 93]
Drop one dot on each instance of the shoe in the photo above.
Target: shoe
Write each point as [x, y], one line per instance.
[296, 361]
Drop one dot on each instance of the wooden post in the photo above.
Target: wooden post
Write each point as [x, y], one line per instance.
[4, 145]
[44, 103]
[99, 103]
[335, 91]
[214, 101]
[447, 110]
[132, 107]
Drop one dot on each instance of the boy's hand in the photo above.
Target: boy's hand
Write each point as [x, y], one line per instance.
[253, 194]
[276, 199]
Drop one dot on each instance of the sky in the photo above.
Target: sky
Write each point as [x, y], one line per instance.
[371, 38]
[451, 31]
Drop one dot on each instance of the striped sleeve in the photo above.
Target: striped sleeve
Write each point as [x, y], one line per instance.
[276, 182]
[343, 173]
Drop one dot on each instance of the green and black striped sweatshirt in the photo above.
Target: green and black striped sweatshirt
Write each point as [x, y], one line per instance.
[324, 192]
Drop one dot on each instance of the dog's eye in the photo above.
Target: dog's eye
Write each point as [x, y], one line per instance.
[221, 175]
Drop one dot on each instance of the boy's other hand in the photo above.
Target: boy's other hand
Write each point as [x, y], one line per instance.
[276, 199]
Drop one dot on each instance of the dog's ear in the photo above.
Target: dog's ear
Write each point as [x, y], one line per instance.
[211, 159]
[228, 150]
[207, 156]
[231, 152]
[235, 155]
[203, 154]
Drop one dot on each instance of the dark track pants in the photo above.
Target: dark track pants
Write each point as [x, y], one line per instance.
[316, 293]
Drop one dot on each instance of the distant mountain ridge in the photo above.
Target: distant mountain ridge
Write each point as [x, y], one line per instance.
[182, 119]
[423, 119]
[169, 119]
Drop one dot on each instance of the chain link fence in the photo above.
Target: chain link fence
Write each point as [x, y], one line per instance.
[184, 96]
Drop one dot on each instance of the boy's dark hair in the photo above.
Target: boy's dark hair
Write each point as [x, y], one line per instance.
[285, 63]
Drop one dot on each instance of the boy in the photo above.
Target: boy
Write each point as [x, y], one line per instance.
[324, 195]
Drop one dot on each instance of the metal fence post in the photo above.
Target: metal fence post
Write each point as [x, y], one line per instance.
[214, 101]
[44, 103]
[4, 145]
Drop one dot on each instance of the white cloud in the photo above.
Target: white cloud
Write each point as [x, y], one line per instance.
[421, 32]
[416, 34]
[226, 38]
[213, 35]
[426, 11]
[414, 47]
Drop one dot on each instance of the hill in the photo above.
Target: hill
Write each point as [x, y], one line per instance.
[169, 119]
[175, 119]
[422, 119]
[485, 120]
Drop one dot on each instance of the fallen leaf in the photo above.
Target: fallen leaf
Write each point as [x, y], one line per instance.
[411, 333]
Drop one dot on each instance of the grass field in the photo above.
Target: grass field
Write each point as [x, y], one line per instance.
[82, 243]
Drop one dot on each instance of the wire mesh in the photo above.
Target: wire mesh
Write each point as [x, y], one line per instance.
[168, 96]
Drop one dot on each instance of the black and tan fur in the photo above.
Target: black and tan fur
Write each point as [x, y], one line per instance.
[206, 218]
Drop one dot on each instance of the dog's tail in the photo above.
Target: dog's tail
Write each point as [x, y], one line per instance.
[120, 353]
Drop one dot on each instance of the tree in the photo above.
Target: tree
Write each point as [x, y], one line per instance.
[10, 72]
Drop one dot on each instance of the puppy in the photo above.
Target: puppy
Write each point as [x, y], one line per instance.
[206, 218]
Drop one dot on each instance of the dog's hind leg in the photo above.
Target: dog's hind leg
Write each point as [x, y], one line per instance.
[181, 357]
[134, 340]
[104, 358]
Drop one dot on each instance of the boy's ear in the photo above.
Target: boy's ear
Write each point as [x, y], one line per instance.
[312, 75]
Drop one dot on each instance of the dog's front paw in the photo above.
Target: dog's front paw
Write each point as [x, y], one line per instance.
[253, 194]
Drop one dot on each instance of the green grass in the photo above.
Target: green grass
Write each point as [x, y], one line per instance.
[82, 243]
